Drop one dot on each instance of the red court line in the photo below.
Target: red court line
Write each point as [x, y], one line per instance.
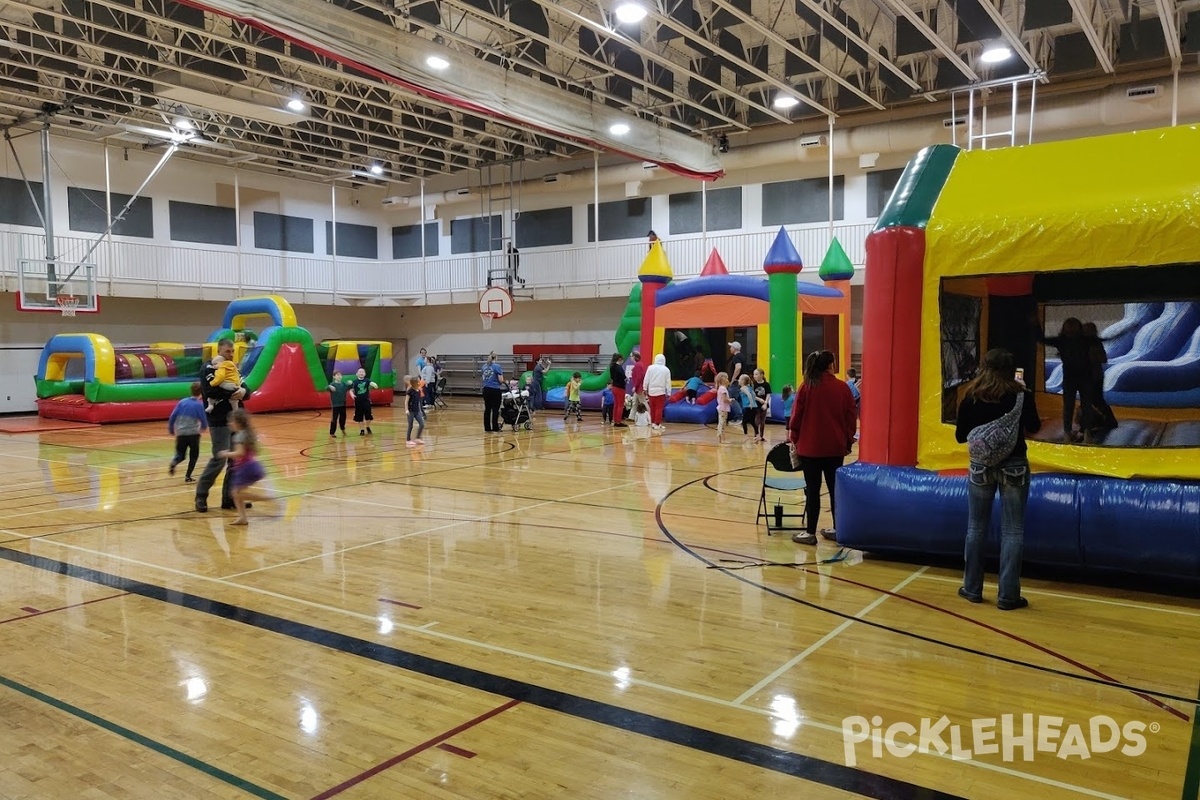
[458, 751]
[30, 610]
[398, 603]
[407, 754]
[36, 613]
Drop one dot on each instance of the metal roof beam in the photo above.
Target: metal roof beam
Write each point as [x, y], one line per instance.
[1085, 11]
[872, 52]
[1170, 26]
[903, 9]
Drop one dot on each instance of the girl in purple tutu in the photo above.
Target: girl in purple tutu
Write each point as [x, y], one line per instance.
[245, 468]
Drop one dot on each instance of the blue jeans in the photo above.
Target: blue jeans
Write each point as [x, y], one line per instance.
[419, 418]
[1011, 477]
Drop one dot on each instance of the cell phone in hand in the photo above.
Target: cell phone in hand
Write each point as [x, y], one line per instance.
[1020, 375]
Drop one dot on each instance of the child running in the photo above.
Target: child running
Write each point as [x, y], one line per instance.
[416, 411]
[227, 377]
[360, 390]
[187, 422]
[337, 403]
[246, 469]
[722, 405]
[749, 405]
[573, 387]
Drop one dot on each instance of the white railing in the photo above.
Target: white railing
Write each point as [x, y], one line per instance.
[133, 268]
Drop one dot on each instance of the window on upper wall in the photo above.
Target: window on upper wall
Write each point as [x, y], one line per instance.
[1113, 355]
[879, 189]
[280, 232]
[87, 210]
[620, 219]
[546, 228]
[406, 240]
[194, 222]
[476, 234]
[16, 206]
[720, 208]
[353, 241]
[797, 202]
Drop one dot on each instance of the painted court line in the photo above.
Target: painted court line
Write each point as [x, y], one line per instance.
[1100, 600]
[33, 612]
[579, 668]
[659, 728]
[407, 754]
[824, 640]
[456, 523]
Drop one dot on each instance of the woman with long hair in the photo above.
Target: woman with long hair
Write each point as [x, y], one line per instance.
[988, 397]
[821, 429]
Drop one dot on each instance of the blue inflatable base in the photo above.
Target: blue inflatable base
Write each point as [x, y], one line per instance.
[1080, 521]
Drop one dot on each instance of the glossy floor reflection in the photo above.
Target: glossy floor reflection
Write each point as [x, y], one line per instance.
[575, 611]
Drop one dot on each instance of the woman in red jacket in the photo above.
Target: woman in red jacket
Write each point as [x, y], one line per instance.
[821, 429]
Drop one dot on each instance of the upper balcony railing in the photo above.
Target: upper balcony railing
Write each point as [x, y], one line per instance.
[130, 268]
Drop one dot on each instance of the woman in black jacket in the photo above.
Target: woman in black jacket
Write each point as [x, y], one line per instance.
[616, 374]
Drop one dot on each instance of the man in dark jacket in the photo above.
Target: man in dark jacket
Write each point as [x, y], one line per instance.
[218, 431]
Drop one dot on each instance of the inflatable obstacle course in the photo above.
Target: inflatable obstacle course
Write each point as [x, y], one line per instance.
[83, 377]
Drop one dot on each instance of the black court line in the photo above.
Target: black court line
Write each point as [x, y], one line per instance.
[685, 547]
[808, 768]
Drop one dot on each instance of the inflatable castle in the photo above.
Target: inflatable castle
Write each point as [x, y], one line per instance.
[993, 248]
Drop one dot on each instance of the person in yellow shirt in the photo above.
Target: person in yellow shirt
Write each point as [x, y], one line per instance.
[573, 387]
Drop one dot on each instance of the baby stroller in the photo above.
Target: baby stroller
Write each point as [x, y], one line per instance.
[514, 409]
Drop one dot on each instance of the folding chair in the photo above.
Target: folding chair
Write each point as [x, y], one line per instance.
[439, 391]
[779, 460]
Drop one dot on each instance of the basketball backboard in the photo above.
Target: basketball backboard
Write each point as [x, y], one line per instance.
[52, 285]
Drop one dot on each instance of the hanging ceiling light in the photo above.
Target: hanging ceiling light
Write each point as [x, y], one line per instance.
[630, 13]
[785, 101]
[437, 62]
[296, 104]
[994, 55]
[183, 124]
[376, 169]
[619, 129]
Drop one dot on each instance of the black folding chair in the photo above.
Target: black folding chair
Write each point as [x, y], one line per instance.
[779, 477]
[440, 391]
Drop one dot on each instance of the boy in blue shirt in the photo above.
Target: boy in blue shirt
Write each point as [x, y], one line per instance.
[694, 385]
[186, 423]
[607, 402]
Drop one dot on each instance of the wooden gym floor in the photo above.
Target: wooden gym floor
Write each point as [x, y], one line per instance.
[572, 612]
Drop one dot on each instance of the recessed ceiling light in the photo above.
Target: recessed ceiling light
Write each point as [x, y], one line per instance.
[785, 101]
[619, 129]
[436, 62]
[994, 55]
[630, 13]
[376, 169]
[184, 124]
[296, 104]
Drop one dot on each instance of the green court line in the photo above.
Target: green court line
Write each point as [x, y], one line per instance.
[158, 747]
[1191, 776]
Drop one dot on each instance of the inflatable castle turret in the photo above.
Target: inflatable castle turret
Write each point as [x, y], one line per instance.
[836, 271]
[654, 274]
[782, 265]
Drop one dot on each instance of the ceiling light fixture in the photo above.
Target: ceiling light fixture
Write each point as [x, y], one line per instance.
[619, 129]
[376, 169]
[994, 55]
[183, 124]
[296, 104]
[436, 62]
[630, 13]
[785, 101]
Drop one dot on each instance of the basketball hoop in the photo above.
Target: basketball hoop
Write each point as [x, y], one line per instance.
[68, 304]
[486, 319]
[494, 303]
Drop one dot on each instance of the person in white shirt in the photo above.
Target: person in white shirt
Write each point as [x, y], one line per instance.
[657, 385]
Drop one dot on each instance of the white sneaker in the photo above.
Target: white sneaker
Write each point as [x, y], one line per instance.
[410, 443]
[419, 441]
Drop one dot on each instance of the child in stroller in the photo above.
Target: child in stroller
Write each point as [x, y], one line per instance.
[514, 407]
